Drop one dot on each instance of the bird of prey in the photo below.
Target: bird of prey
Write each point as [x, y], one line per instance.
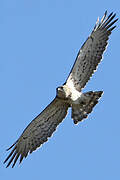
[69, 95]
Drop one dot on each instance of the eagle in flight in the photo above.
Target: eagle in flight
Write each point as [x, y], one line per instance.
[69, 95]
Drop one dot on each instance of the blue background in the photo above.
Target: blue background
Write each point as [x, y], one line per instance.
[39, 41]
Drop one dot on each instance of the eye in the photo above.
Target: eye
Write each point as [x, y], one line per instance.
[60, 88]
[57, 88]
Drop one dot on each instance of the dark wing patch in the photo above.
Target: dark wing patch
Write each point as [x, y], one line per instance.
[91, 52]
[38, 131]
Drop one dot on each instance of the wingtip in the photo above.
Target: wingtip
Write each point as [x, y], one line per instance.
[11, 146]
[13, 165]
[4, 161]
[105, 13]
[7, 166]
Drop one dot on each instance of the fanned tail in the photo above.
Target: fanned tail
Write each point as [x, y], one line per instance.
[81, 111]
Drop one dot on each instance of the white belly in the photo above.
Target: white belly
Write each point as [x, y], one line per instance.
[76, 96]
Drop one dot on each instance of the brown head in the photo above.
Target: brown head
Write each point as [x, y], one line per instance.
[63, 92]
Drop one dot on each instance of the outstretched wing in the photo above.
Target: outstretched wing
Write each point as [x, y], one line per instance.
[91, 52]
[38, 131]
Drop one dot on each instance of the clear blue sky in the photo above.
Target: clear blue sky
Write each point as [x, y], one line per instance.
[39, 41]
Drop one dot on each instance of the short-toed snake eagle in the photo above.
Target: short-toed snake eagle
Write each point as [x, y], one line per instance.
[68, 95]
